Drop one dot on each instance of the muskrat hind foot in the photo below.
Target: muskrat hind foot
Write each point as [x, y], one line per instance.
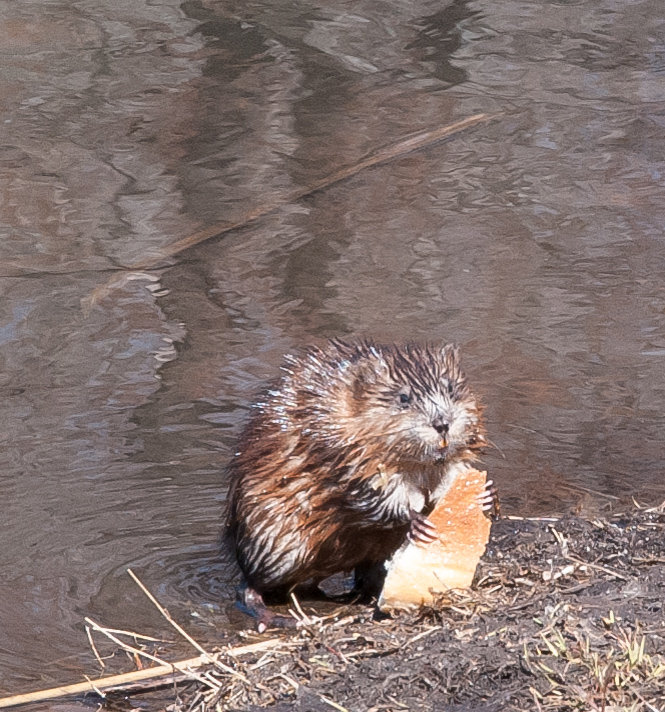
[251, 602]
[369, 578]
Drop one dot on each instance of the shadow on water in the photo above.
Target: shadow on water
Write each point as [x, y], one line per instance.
[439, 36]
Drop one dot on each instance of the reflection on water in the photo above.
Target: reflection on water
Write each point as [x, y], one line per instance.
[535, 241]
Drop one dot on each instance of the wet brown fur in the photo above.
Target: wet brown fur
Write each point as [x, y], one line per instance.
[333, 463]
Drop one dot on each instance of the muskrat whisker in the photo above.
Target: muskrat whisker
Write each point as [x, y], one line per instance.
[492, 444]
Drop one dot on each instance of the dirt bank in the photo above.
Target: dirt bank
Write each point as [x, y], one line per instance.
[566, 614]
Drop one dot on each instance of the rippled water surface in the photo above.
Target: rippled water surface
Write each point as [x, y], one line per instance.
[534, 240]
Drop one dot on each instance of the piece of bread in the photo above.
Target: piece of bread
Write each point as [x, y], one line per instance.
[418, 572]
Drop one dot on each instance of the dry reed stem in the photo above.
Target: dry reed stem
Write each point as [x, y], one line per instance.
[138, 651]
[164, 673]
[102, 664]
[213, 660]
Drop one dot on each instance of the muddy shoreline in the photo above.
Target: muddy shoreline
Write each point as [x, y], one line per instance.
[566, 614]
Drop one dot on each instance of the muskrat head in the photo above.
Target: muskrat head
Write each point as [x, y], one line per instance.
[411, 401]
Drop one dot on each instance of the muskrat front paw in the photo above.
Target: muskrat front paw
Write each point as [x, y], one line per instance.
[421, 530]
[489, 501]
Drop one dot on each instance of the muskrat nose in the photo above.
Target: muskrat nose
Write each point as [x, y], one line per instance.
[440, 425]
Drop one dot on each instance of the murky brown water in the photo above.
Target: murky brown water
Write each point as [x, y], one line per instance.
[535, 241]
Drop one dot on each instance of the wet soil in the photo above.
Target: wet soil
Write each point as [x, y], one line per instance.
[565, 614]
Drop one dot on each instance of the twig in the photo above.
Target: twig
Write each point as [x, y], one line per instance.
[122, 644]
[217, 663]
[142, 653]
[598, 567]
[515, 518]
[586, 490]
[94, 647]
[136, 636]
[422, 634]
[299, 614]
[165, 613]
[161, 675]
[302, 617]
[396, 150]
[332, 703]
[296, 686]
[94, 687]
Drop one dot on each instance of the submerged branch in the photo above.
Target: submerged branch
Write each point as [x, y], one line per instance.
[408, 145]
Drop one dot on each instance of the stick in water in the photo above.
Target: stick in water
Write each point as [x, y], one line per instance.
[408, 145]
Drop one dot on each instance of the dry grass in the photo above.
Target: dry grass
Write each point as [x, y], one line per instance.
[596, 664]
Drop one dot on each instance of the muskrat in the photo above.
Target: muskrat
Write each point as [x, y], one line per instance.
[343, 457]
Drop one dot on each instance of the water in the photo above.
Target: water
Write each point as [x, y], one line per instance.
[535, 241]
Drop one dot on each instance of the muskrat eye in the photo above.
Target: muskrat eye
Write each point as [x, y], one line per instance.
[404, 399]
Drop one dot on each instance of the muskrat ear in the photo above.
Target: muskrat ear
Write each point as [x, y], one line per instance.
[364, 376]
[450, 355]
[371, 370]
